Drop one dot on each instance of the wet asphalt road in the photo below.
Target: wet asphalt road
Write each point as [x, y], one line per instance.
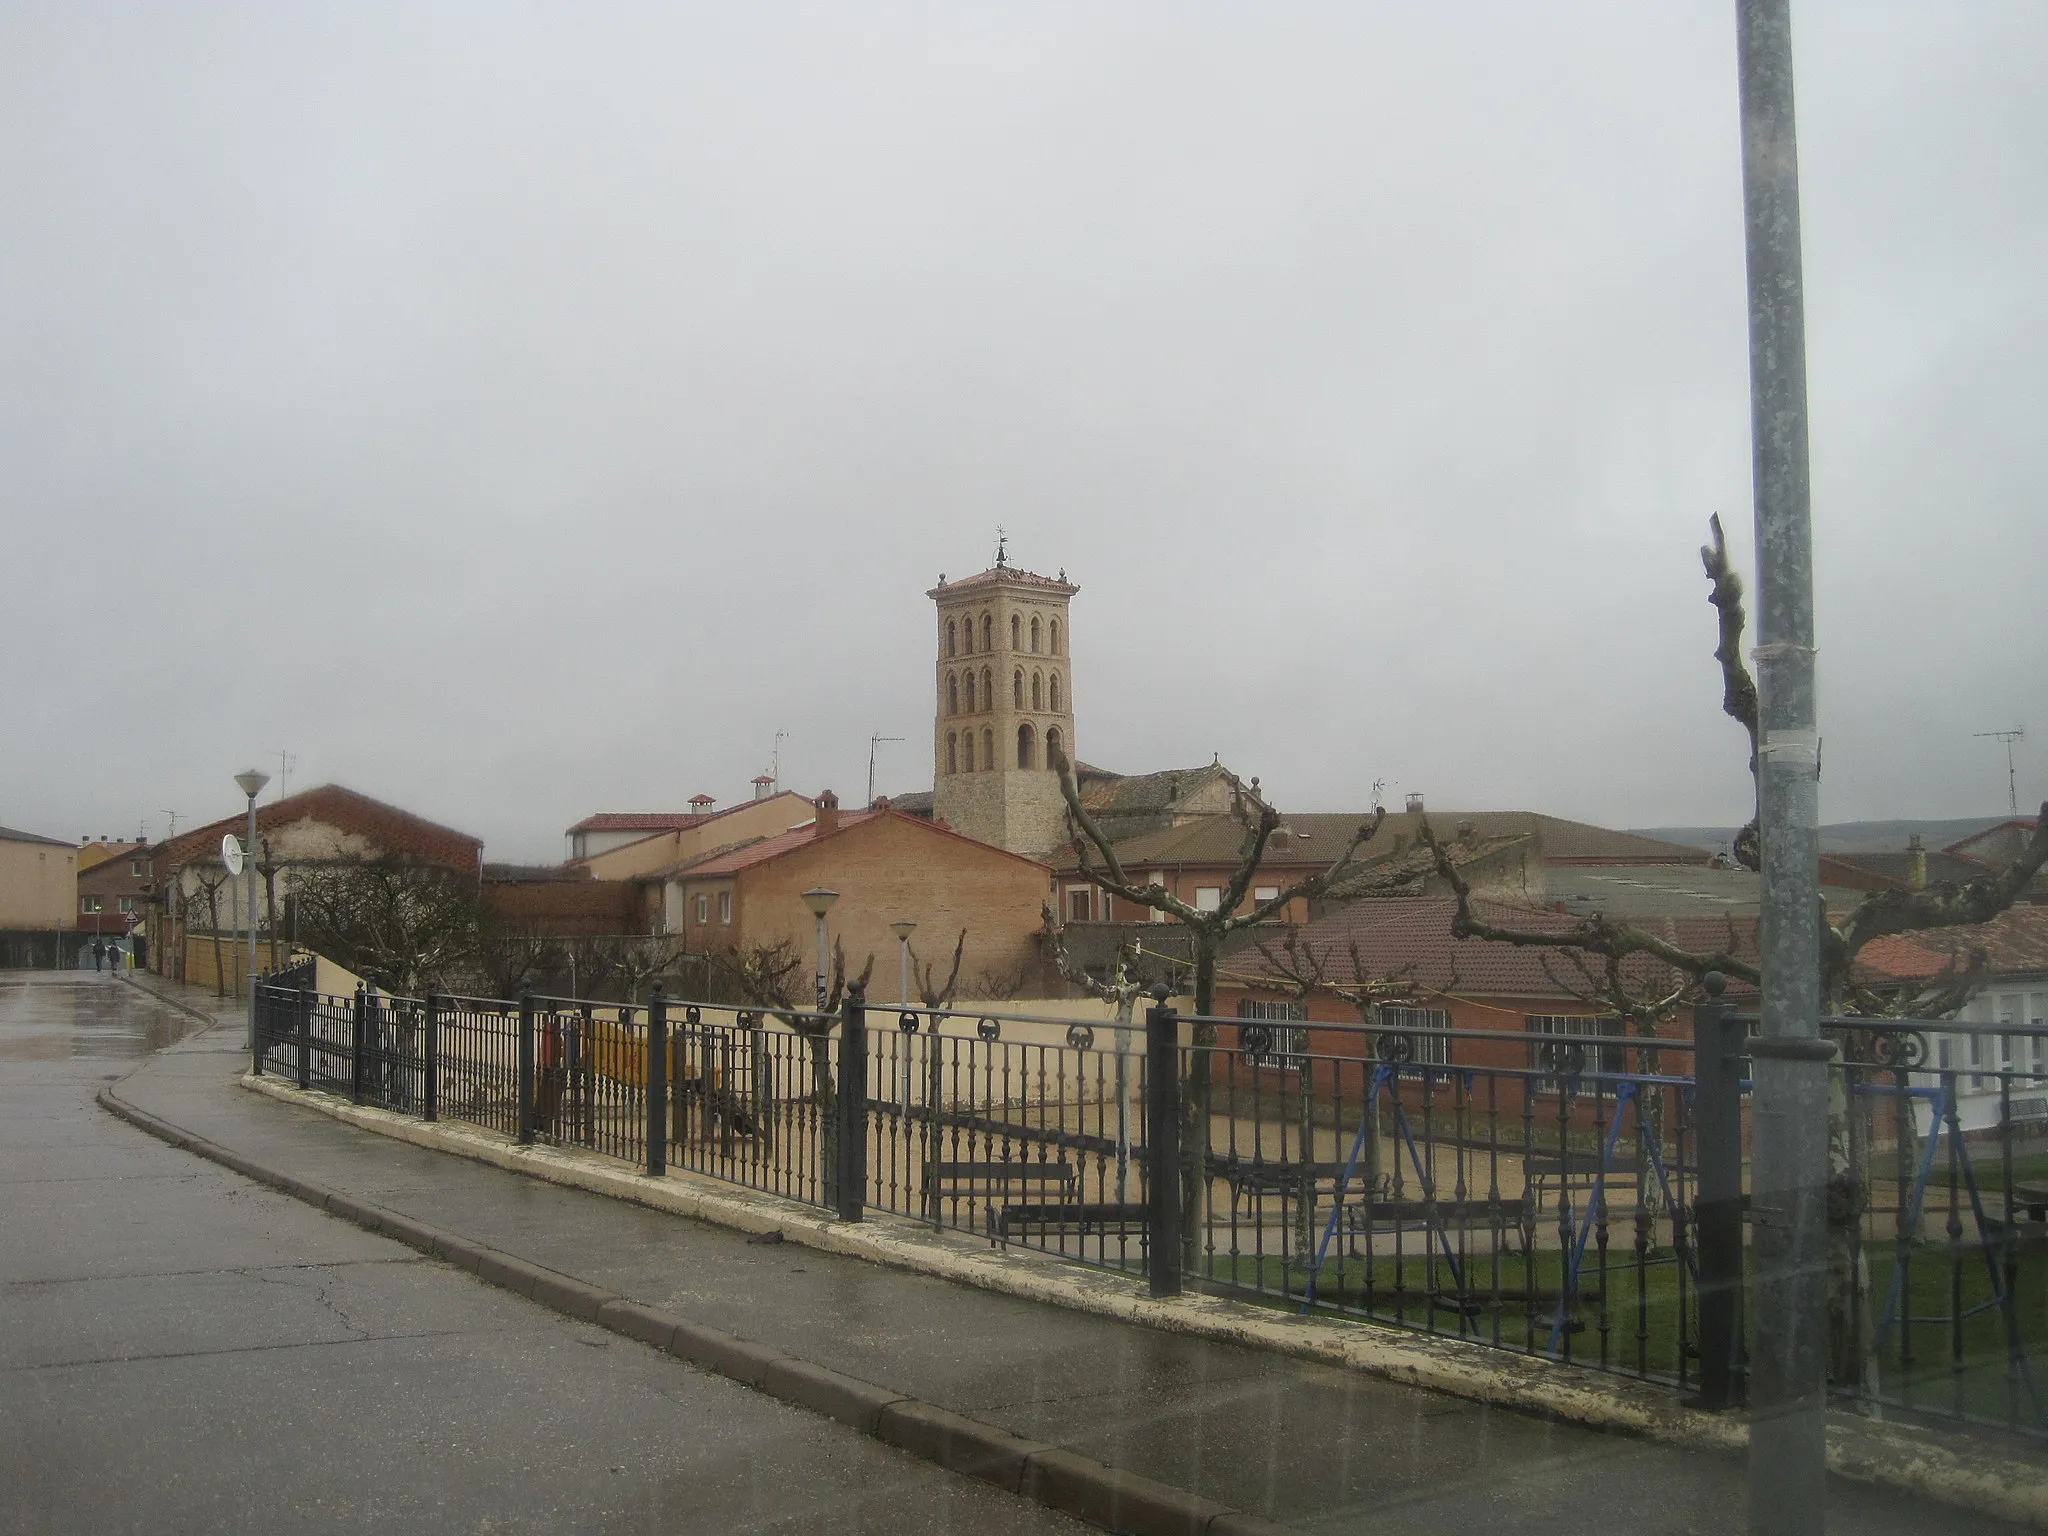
[181, 1350]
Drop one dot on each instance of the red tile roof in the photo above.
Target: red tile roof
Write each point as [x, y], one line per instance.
[653, 822]
[399, 833]
[1412, 936]
[735, 857]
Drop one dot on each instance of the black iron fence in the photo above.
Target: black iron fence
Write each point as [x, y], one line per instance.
[1571, 1195]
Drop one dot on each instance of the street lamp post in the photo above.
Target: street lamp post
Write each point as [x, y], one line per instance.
[903, 928]
[251, 784]
[820, 900]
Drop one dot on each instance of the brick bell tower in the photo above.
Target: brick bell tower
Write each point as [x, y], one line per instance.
[1005, 705]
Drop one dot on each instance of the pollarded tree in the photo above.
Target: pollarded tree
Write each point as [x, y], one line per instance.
[1941, 904]
[1100, 865]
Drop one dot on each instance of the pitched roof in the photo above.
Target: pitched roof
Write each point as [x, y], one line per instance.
[397, 832]
[9, 835]
[1005, 576]
[1412, 936]
[735, 857]
[656, 822]
[2014, 942]
[1897, 867]
[1118, 794]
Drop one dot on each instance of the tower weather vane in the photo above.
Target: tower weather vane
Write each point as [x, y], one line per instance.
[1002, 546]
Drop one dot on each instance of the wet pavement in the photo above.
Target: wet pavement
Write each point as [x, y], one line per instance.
[1310, 1446]
[182, 1350]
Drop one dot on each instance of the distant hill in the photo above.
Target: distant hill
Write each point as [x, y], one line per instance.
[1842, 836]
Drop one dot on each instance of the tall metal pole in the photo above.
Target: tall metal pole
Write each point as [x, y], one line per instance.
[249, 895]
[1788, 1389]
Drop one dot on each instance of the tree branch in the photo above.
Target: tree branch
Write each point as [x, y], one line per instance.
[1738, 688]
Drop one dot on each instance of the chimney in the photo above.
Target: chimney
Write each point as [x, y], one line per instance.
[1415, 804]
[764, 785]
[1916, 863]
[1467, 833]
[700, 805]
[827, 808]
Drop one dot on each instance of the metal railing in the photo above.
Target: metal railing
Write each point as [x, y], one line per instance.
[1575, 1198]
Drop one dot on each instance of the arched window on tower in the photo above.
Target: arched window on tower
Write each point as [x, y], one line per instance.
[1037, 690]
[952, 752]
[988, 632]
[1053, 695]
[967, 751]
[988, 749]
[1034, 632]
[1054, 647]
[988, 689]
[1055, 747]
[970, 693]
[952, 637]
[1013, 631]
[1017, 688]
[1025, 743]
[952, 693]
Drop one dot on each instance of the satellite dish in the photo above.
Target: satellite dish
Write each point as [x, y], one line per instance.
[231, 854]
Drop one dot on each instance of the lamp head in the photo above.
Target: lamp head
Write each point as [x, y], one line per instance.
[903, 928]
[820, 900]
[251, 781]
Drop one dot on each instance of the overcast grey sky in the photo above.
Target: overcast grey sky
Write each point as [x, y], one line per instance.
[589, 391]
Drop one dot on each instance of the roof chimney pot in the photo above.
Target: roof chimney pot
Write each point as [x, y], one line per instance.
[1415, 804]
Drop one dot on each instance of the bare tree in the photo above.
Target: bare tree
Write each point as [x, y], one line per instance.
[1100, 865]
[402, 927]
[1941, 904]
[211, 879]
[937, 995]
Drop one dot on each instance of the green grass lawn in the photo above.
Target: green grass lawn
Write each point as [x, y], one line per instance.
[1629, 1318]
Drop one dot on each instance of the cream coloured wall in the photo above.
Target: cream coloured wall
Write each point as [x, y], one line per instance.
[38, 885]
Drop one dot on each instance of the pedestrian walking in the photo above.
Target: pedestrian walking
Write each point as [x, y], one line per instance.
[99, 955]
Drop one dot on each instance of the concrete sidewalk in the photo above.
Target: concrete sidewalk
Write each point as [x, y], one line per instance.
[1305, 1445]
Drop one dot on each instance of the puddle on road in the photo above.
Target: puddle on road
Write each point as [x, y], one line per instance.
[48, 1016]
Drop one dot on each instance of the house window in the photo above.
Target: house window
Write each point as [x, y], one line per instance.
[1564, 1051]
[127, 903]
[88, 904]
[1270, 1038]
[1034, 632]
[1025, 744]
[1013, 632]
[137, 868]
[1208, 897]
[725, 906]
[1263, 893]
[1054, 694]
[1425, 1029]
[1080, 904]
[703, 909]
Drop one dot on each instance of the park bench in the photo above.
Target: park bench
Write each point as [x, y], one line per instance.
[1576, 1172]
[1082, 1219]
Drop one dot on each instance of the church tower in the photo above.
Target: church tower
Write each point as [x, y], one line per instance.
[1005, 706]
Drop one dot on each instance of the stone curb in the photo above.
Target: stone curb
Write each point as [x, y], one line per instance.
[1986, 1479]
[169, 1001]
[1953, 1470]
[1103, 1495]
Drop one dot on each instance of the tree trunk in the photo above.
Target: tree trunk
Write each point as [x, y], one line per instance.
[1195, 1099]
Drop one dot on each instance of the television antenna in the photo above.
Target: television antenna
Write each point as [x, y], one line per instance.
[2012, 785]
[874, 741]
[775, 759]
[286, 762]
[174, 823]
